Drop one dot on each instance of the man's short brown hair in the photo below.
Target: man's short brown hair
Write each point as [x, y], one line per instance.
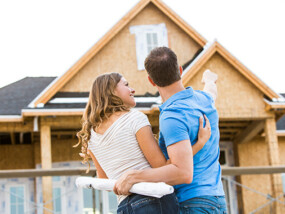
[162, 66]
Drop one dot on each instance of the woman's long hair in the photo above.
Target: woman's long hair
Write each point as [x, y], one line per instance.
[101, 105]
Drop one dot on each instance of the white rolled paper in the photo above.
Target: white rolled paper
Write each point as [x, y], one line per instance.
[144, 188]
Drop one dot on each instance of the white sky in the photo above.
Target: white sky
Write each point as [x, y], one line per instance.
[45, 38]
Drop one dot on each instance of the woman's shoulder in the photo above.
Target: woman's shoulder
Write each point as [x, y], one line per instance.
[137, 113]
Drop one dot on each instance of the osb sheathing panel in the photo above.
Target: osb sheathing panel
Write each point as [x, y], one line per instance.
[62, 150]
[17, 157]
[254, 154]
[281, 142]
[119, 55]
[237, 96]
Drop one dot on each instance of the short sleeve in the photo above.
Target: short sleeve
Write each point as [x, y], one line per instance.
[139, 120]
[173, 128]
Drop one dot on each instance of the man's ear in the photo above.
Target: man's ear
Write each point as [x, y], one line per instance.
[150, 80]
[181, 70]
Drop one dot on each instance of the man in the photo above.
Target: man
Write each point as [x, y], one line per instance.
[198, 186]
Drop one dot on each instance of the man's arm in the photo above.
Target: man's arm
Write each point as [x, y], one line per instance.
[178, 172]
[210, 79]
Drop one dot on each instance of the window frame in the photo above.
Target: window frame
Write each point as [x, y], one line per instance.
[141, 43]
[8, 208]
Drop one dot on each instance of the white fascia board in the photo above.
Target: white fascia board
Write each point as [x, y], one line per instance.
[32, 104]
[148, 99]
[85, 100]
[7, 118]
[69, 100]
[54, 110]
[11, 116]
[276, 102]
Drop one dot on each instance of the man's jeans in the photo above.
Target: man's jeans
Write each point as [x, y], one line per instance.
[139, 204]
[204, 204]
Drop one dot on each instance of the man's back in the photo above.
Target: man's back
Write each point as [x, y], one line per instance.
[180, 117]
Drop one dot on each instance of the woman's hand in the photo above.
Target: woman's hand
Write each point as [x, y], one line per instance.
[204, 132]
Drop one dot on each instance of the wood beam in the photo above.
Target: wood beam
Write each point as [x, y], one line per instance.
[226, 171]
[229, 130]
[62, 122]
[16, 127]
[46, 162]
[13, 140]
[233, 124]
[250, 132]
[273, 154]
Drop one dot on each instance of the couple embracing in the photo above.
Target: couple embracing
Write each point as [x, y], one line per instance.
[121, 144]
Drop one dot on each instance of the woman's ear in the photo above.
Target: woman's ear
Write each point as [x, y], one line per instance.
[150, 80]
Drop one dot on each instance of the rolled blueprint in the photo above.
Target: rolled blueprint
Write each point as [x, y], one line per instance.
[144, 188]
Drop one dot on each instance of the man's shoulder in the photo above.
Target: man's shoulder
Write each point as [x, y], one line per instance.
[171, 112]
[204, 94]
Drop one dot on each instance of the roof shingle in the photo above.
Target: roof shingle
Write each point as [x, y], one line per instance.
[16, 96]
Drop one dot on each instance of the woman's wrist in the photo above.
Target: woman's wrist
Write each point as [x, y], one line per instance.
[199, 145]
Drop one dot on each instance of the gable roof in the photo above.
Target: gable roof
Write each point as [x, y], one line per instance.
[62, 80]
[18, 95]
[215, 47]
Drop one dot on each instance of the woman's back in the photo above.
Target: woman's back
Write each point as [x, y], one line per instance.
[117, 149]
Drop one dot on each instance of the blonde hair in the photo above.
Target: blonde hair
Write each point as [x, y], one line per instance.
[102, 103]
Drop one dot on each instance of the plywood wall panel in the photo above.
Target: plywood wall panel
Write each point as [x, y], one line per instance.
[17, 157]
[254, 153]
[237, 96]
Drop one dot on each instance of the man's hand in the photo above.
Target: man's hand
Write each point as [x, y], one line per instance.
[124, 183]
[210, 79]
[209, 76]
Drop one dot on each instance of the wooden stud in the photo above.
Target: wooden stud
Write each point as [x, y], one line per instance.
[46, 162]
[12, 135]
[273, 152]
[16, 127]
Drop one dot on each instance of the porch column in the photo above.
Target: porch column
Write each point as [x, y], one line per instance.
[273, 153]
[46, 164]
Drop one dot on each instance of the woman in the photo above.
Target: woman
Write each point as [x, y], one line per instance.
[119, 138]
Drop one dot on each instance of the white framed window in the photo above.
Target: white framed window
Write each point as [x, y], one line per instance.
[58, 194]
[104, 201]
[17, 197]
[148, 37]
[226, 159]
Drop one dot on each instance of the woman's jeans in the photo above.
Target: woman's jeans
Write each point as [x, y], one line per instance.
[204, 204]
[139, 204]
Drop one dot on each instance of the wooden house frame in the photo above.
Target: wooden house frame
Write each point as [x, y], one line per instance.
[248, 110]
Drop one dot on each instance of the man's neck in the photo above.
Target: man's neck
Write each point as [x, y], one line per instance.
[168, 91]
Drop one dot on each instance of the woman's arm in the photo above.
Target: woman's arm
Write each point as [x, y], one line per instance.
[150, 147]
[100, 171]
[152, 151]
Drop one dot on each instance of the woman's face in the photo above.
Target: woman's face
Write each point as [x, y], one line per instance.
[125, 92]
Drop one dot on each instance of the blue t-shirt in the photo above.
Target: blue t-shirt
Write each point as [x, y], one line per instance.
[179, 120]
